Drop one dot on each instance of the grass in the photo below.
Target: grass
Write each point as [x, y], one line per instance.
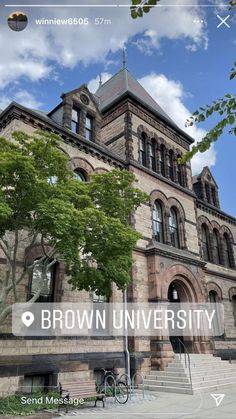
[14, 405]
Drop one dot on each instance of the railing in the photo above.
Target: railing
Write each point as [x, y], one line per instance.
[186, 358]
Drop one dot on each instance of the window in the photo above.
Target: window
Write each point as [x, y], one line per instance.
[142, 150]
[234, 308]
[43, 281]
[205, 242]
[214, 298]
[157, 220]
[99, 298]
[207, 189]
[171, 165]
[152, 149]
[75, 121]
[80, 176]
[52, 180]
[173, 224]
[227, 251]
[89, 128]
[216, 246]
[179, 172]
[162, 160]
[213, 193]
[36, 383]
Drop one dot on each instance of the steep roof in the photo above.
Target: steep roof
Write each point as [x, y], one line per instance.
[123, 83]
[205, 171]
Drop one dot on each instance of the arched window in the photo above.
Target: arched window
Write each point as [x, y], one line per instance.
[171, 164]
[42, 282]
[157, 221]
[179, 172]
[216, 246]
[227, 251]
[205, 242]
[152, 152]
[80, 175]
[142, 149]
[162, 159]
[174, 231]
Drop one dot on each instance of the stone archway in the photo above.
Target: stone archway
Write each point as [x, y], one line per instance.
[180, 291]
[191, 287]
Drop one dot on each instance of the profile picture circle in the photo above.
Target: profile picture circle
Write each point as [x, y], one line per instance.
[17, 21]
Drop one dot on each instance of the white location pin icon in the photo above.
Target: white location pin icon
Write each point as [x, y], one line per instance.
[27, 318]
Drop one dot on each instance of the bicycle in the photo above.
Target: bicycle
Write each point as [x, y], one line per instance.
[113, 387]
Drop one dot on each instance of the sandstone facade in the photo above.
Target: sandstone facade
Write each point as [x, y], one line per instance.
[129, 131]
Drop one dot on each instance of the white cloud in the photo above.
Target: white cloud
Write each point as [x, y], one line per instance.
[94, 83]
[169, 94]
[23, 97]
[34, 52]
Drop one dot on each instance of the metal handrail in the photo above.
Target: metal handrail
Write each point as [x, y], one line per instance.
[132, 383]
[188, 356]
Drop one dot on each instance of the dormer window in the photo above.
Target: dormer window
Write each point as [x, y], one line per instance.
[75, 120]
[89, 128]
[208, 196]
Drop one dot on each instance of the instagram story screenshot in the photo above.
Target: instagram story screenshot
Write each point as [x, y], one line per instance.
[118, 209]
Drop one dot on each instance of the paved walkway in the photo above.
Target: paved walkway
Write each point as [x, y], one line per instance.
[163, 405]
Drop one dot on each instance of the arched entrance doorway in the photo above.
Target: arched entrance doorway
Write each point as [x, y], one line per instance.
[178, 292]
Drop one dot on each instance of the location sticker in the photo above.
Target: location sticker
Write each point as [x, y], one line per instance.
[27, 318]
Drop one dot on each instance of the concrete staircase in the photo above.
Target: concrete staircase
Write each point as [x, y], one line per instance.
[208, 373]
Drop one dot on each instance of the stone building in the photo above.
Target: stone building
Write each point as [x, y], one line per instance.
[187, 250]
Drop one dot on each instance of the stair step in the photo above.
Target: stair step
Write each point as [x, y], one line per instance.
[176, 384]
[168, 373]
[166, 378]
[196, 377]
[169, 389]
[207, 373]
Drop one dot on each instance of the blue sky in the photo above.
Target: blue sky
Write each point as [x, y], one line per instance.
[183, 64]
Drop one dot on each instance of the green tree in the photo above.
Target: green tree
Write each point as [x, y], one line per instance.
[139, 7]
[226, 108]
[85, 224]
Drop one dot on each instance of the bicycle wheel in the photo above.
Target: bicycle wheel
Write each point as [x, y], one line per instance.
[122, 393]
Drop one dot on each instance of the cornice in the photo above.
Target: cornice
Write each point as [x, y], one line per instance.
[42, 122]
[134, 163]
[172, 253]
[209, 209]
[129, 104]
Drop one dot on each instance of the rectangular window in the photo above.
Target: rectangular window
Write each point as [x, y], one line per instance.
[36, 383]
[89, 128]
[43, 282]
[75, 121]
[208, 197]
[99, 298]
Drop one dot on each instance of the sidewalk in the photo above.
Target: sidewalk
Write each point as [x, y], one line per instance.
[164, 405]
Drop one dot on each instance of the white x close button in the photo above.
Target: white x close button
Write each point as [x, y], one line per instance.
[223, 21]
